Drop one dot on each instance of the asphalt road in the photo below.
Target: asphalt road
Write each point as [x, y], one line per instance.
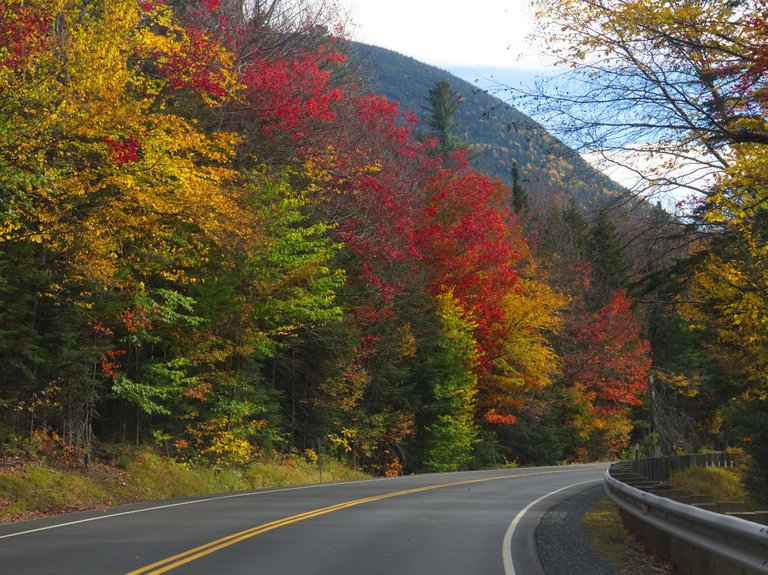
[444, 524]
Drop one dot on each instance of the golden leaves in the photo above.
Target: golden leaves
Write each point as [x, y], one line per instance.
[111, 170]
[532, 314]
[346, 390]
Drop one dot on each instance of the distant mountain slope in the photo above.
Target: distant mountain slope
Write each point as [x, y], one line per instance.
[548, 169]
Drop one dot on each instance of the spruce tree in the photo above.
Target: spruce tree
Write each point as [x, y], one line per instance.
[520, 198]
[439, 115]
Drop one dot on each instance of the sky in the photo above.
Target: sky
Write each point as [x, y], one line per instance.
[480, 35]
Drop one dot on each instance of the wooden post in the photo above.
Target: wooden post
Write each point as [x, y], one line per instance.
[320, 457]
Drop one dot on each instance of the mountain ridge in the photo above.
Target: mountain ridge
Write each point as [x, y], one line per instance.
[550, 170]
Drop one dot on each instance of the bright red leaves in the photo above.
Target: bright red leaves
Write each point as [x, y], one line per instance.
[23, 32]
[612, 359]
[123, 151]
[288, 96]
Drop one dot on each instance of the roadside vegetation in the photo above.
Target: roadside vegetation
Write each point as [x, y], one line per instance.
[719, 483]
[42, 486]
[615, 546]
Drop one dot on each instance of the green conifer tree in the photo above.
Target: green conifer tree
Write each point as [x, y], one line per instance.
[439, 115]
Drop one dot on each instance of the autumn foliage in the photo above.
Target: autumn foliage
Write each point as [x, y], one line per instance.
[212, 236]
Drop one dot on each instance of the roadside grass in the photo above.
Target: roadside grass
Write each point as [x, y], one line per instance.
[36, 488]
[268, 474]
[719, 483]
[151, 476]
[615, 546]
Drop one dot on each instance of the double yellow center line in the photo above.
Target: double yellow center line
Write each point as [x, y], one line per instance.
[192, 554]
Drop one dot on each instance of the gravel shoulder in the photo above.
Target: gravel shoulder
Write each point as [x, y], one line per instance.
[563, 541]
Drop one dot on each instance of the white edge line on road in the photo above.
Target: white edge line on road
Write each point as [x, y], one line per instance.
[179, 504]
[206, 500]
[506, 551]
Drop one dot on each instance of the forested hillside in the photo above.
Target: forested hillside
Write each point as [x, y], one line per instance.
[503, 136]
[218, 238]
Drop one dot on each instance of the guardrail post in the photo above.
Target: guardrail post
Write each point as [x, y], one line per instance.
[682, 558]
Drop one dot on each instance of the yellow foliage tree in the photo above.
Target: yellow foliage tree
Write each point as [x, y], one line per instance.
[106, 172]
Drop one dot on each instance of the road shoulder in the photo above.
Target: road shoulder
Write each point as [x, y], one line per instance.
[563, 541]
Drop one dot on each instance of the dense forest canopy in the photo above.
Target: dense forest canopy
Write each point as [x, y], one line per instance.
[216, 236]
[684, 82]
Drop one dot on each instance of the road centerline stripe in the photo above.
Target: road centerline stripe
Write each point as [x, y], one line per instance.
[179, 559]
[185, 503]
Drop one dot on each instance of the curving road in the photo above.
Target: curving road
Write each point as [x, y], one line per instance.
[480, 522]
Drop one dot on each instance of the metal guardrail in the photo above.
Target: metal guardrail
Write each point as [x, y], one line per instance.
[697, 541]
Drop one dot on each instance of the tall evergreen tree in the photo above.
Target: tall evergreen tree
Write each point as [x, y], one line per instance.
[520, 200]
[606, 253]
[439, 115]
